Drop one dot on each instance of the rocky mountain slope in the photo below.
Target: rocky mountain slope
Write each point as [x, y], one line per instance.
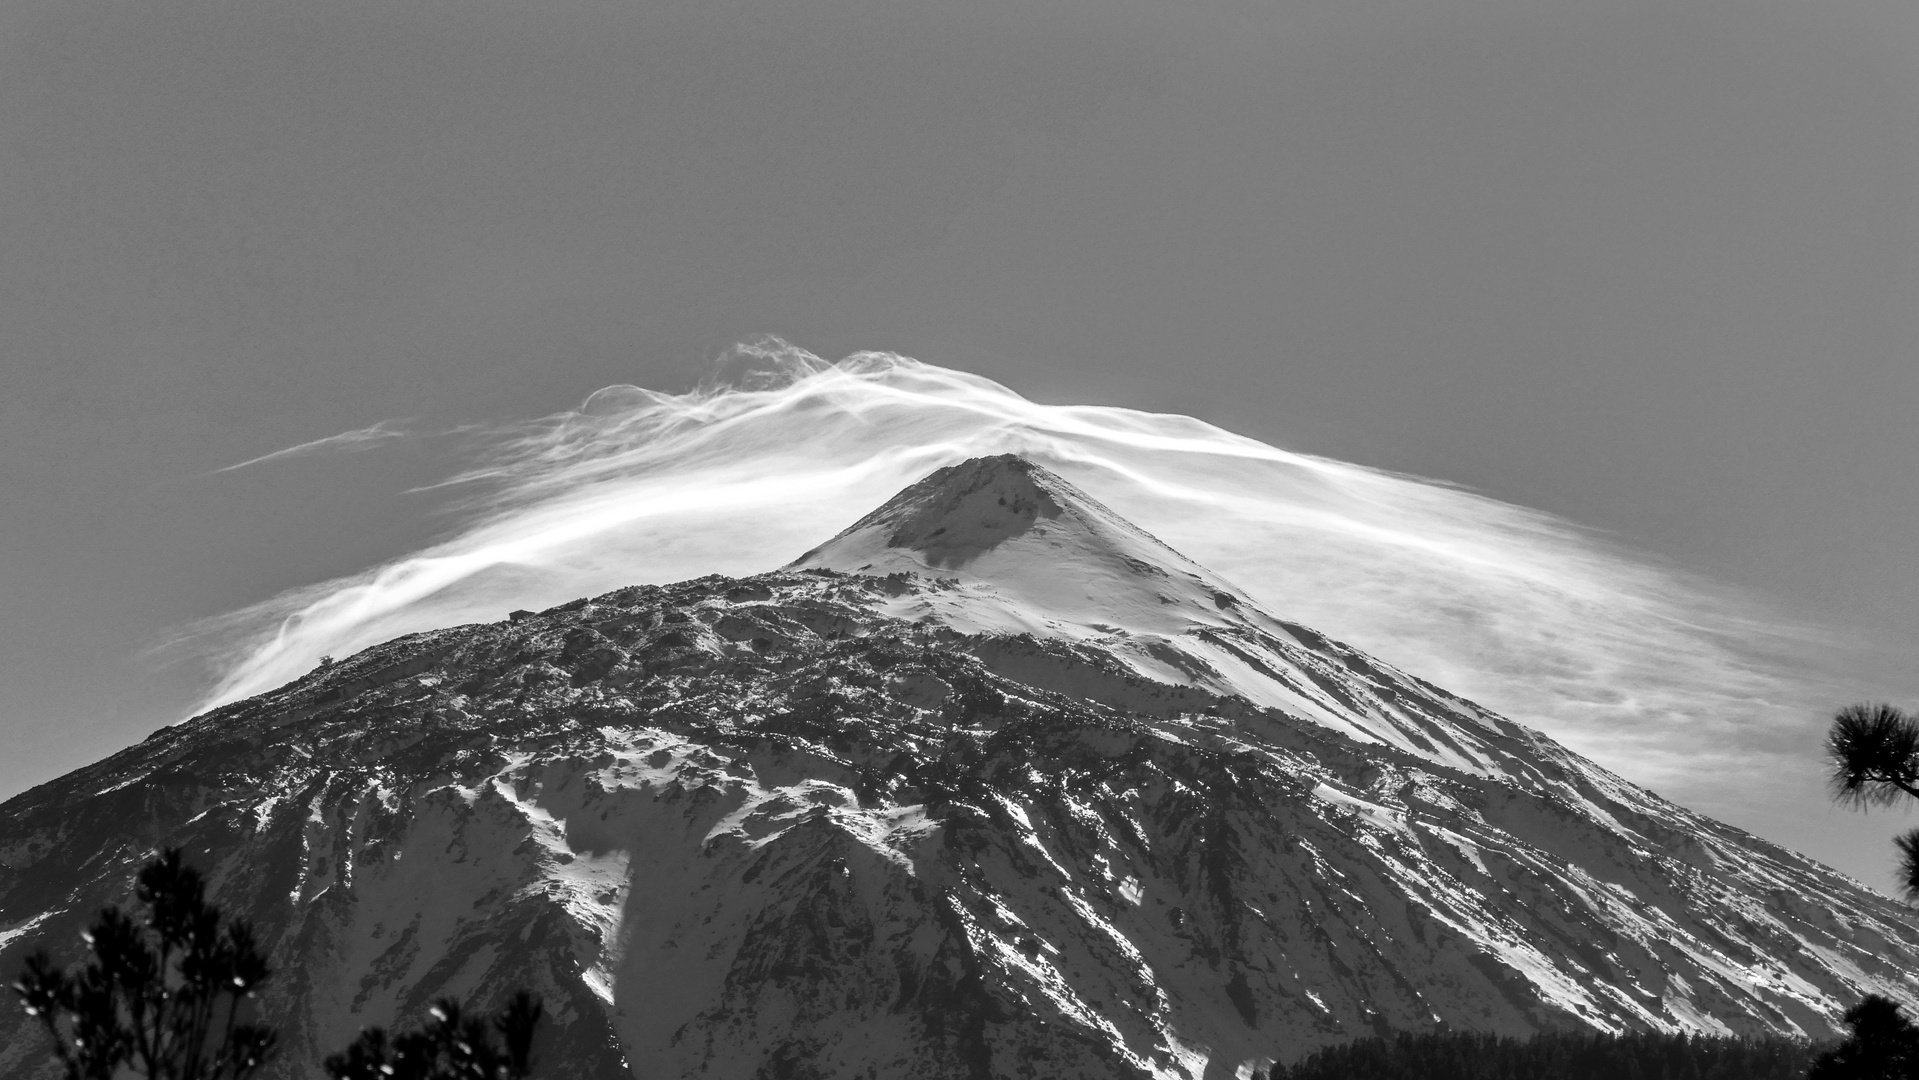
[993, 784]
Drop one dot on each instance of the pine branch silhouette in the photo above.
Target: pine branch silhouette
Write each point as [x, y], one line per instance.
[452, 1046]
[160, 995]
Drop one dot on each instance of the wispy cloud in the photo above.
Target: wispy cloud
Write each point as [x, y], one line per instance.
[1658, 675]
[345, 442]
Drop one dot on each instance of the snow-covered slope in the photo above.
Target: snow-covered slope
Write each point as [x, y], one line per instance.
[1039, 555]
[1016, 550]
[991, 785]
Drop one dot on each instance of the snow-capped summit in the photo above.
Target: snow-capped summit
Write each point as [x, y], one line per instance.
[1015, 531]
[992, 785]
[1017, 550]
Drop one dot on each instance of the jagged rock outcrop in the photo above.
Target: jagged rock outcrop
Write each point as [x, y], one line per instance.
[992, 785]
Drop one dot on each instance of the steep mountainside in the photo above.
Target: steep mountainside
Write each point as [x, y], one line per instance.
[993, 784]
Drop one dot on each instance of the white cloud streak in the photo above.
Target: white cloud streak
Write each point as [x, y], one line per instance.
[345, 442]
[1661, 677]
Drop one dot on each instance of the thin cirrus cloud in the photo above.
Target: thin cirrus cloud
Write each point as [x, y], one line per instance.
[365, 438]
[1659, 676]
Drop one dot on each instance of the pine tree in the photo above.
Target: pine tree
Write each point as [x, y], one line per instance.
[1883, 1046]
[452, 1046]
[160, 995]
[1874, 751]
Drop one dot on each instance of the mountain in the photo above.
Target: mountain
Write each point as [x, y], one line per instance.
[992, 784]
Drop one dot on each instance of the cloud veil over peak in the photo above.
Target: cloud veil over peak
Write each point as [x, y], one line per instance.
[1660, 677]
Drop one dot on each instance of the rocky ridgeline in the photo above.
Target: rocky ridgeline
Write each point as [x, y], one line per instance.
[851, 822]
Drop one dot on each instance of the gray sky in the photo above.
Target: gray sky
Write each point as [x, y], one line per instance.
[1650, 266]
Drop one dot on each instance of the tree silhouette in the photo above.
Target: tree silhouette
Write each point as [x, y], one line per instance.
[451, 1047]
[161, 995]
[1555, 1055]
[1883, 1046]
[1874, 750]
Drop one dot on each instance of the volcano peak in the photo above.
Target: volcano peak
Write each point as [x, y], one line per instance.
[727, 825]
[960, 512]
[1010, 525]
